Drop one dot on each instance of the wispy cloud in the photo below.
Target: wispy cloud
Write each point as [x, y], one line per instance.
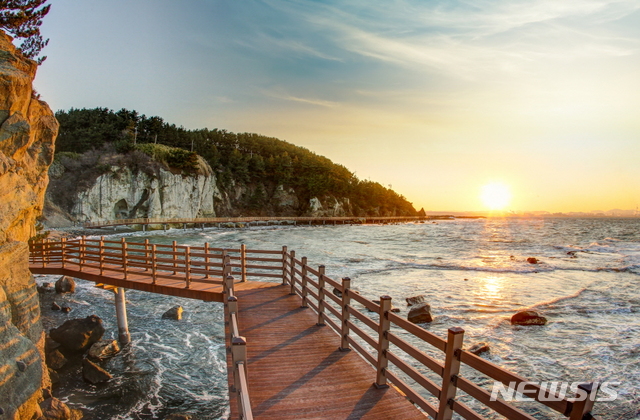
[309, 101]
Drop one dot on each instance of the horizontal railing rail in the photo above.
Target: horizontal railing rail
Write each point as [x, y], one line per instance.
[381, 341]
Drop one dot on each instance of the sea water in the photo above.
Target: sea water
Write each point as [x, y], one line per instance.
[473, 272]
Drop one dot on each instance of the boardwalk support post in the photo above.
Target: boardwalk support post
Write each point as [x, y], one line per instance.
[320, 322]
[304, 282]
[346, 301]
[284, 265]
[584, 403]
[384, 325]
[292, 278]
[243, 263]
[121, 315]
[125, 261]
[187, 266]
[154, 264]
[455, 337]
[63, 243]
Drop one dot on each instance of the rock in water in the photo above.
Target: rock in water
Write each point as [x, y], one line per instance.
[104, 349]
[93, 373]
[479, 348]
[337, 292]
[420, 313]
[55, 359]
[65, 284]
[528, 318]
[54, 409]
[414, 300]
[174, 313]
[78, 334]
[178, 416]
[532, 260]
[55, 307]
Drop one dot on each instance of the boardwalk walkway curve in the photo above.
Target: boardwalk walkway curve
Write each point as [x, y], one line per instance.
[285, 359]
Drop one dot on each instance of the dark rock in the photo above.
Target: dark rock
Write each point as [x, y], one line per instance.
[53, 375]
[65, 284]
[50, 345]
[93, 373]
[54, 409]
[65, 309]
[396, 310]
[174, 313]
[46, 393]
[414, 300]
[479, 348]
[78, 334]
[528, 318]
[178, 417]
[55, 359]
[45, 288]
[47, 285]
[337, 292]
[420, 313]
[104, 349]
[22, 366]
[55, 307]
[532, 260]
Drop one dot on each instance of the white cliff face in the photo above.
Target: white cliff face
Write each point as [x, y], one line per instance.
[122, 194]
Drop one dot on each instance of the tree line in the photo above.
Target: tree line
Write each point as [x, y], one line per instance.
[237, 158]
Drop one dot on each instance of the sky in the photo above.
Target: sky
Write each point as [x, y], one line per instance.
[436, 99]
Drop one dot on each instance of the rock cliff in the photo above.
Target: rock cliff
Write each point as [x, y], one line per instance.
[27, 133]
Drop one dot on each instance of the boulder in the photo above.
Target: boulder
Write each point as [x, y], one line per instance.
[528, 318]
[55, 359]
[54, 409]
[104, 349]
[50, 345]
[45, 288]
[174, 313]
[396, 310]
[420, 313]
[65, 309]
[65, 284]
[479, 348]
[337, 292]
[414, 300]
[78, 334]
[93, 373]
[53, 375]
[532, 260]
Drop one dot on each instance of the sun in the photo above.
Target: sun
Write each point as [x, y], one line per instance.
[495, 196]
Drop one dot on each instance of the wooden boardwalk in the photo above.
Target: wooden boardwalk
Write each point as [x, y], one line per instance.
[295, 369]
[282, 364]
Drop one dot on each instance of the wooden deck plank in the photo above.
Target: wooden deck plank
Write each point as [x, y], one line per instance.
[295, 369]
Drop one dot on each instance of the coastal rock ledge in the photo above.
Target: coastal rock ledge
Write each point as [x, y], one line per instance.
[28, 130]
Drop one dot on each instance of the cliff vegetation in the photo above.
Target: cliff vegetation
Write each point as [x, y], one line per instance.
[255, 174]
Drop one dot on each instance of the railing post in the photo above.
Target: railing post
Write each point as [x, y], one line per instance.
[583, 405]
[124, 258]
[243, 263]
[63, 246]
[187, 266]
[146, 254]
[455, 337]
[226, 264]
[284, 265]
[303, 269]
[228, 285]
[320, 296]
[101, 256]
[174, 249]
[292, 279]
[346, 301]
[238, 355]
[45, 249]
[154, 264]
[232, 305]
[383, 342]
[206, 259]
[81, 252]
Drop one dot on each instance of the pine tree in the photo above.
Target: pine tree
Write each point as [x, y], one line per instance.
[22, 19]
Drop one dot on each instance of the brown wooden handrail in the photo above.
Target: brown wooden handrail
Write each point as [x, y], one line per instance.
[311, 285]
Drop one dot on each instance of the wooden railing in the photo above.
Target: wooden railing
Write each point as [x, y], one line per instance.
[157, 261]
[249, 219]
[390, 363]
[238, 350]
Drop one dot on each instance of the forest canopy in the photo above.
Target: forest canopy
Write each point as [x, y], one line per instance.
[244, 158]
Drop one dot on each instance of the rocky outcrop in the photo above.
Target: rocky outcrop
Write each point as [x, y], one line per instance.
[27, 133]
[122, 193]
[78, 334]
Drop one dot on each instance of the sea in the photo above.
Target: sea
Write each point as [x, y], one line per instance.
[473, 272]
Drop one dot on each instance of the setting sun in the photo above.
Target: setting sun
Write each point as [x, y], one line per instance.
[495, 196]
